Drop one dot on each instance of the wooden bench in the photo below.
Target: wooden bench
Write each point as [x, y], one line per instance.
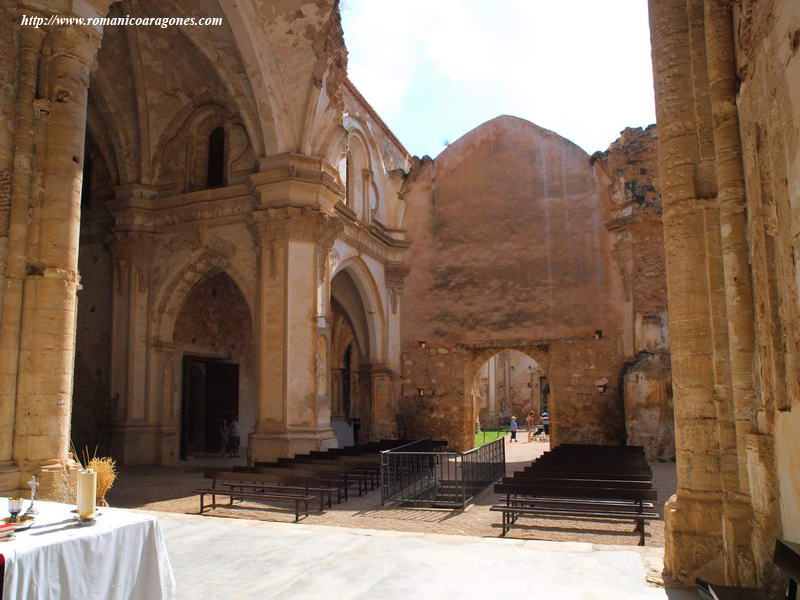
[533, 499]
[579, 474]
[326, 476]
[371, 469]
[333, 472]
[786, 557]
[308, 486]
[296, 499]
[324, 499]
[526, 477]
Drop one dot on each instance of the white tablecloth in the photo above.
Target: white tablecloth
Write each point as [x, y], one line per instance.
[122, 556]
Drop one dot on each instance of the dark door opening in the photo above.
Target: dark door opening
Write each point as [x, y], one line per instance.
[210, 394]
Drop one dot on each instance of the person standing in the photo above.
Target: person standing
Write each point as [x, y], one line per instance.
[236, 437]
[546, 423]
[529, 422]
[224, 435]
[513, 429]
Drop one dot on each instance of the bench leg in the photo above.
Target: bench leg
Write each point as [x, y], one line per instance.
[202, 497]
[640, 527]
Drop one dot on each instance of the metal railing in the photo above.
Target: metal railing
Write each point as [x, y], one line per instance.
[415, 475]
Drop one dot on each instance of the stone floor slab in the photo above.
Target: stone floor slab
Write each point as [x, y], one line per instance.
[218, 558]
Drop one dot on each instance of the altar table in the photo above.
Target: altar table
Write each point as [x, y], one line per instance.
[121, 556]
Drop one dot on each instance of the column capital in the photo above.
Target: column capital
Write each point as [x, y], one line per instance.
[395, 274]
[298, 224]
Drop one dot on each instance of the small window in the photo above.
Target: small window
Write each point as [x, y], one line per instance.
[216, 158]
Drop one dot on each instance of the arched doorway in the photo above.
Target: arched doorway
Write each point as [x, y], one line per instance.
[213, 331]
[510, 383]
[359, 382]
[505, 382]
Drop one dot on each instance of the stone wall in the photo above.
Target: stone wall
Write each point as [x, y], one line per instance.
[768, 67]
[509, 250]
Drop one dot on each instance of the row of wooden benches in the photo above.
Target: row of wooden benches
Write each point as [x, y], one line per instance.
[302, 481]
[577, 480]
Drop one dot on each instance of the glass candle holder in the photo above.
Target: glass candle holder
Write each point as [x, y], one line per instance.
[14, 508]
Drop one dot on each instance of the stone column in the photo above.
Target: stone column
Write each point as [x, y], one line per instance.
[694, 515]
[47, 340]
[135, 438]
[30, 42]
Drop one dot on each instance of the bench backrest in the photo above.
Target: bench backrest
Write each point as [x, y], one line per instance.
[564, 481]
[560, 491]
[575, 474]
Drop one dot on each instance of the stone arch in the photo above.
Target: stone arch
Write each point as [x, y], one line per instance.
[201, 265]
[370, 296]
[476, 357]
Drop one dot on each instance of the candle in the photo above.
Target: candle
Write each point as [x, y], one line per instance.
[87, 493]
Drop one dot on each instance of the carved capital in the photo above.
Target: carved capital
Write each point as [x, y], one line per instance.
[299, 224]
[395, 274]
[132, 254]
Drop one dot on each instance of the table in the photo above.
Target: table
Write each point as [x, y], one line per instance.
[122, 556]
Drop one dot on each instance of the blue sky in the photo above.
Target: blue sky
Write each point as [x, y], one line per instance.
[434, 69]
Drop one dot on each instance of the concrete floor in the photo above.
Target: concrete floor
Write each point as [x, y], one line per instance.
[216, 558]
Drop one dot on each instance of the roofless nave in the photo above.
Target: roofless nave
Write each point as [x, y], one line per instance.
[207, 213]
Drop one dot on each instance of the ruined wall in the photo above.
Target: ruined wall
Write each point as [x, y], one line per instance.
[507, 240]
[508, 247]
[631, 165]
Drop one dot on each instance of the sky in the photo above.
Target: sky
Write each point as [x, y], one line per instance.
[435, 69]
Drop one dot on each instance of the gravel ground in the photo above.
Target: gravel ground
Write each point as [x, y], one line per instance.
[169, 489]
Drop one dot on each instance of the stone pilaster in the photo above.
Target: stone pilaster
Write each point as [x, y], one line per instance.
[395, 274]
[135, 437]
[47, 334]
[294, 233]
[30, 42]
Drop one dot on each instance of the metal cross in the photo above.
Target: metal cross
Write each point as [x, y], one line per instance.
[34, 485]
